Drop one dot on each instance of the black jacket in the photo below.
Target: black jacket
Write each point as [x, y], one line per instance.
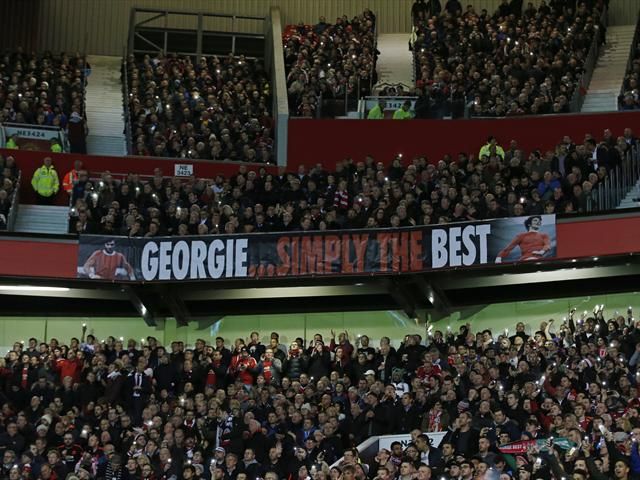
[318, 365]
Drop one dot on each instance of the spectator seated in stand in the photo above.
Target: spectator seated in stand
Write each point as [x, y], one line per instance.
[290, 408]
[213, 109]
[329, 60]
[8, 182]
[364, 194]
[395, 91]
[41, 89]
[630, 97]
[507, 64]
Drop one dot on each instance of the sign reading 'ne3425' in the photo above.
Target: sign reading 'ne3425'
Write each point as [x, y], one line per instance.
[298, 254]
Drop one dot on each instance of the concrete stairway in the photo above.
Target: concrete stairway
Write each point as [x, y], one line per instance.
[632, 200]
[395, 62]
[105, 111]
[42, 219]
[608, 75]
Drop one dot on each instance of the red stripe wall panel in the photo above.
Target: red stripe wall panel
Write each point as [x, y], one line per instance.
[330, 141]
[25, 258]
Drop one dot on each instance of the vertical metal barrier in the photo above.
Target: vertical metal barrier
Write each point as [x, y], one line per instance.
[125, 98]
[15, 205]
[70, 212]
[577, 99]
[634, 42]
[600, 205]
[612, 189]
[346, 99]
[319, 105]
[619, 182]
[375, 61]
[616, 186]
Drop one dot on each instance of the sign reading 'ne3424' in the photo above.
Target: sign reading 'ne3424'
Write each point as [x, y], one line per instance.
[299, 254]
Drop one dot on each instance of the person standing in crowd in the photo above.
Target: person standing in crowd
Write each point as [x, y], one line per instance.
[56, 147]
[77, 133]
[434, 8]
[45, 182]
[404, 112]
[453, 7]
[377, 112]
[418, 8]
[72, 177]
[138, 390]
[12, 142]
[491, 148]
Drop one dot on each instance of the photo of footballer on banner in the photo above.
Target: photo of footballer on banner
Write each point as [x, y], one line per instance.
[107, 264]
[532, 240]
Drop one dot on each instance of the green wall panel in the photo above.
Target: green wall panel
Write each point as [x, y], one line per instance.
[376, 324]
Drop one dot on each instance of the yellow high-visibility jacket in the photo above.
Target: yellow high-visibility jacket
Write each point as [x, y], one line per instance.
[45, 181]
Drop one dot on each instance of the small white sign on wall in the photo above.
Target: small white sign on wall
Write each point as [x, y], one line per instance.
[183, 170]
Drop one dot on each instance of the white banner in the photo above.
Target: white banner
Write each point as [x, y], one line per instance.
[33, 137]
[27, 131]
[391, 104]
[385, 441]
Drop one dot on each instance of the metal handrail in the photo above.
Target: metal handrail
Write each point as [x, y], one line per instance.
[205, 14]
[125, 97]
[577, 99]
[632, 51]
[135, 25]
[85, 75]
[619, 181]
[375, 58]
[187, 54]
[538, 115]
[15, 205]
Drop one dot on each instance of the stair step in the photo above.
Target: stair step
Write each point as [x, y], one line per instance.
[601, 97]
[39, 221]
[60, 219]
[604, 88]
[45, 218]
[42, 219]
[105, 108]
[43, 210]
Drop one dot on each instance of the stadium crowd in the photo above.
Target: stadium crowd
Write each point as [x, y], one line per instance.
[553, 403]
[200, 108]
[495, 182]
[329, 61]
[514, 62]
[43, 89]
[9, 173]
[630, 95]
